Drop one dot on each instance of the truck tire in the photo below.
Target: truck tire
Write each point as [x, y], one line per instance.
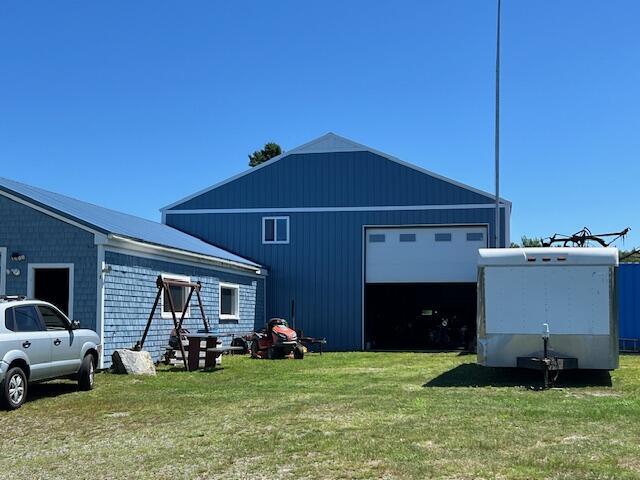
[14, 388]
[86, 373]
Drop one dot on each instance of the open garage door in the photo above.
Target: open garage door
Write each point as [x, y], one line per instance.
[420, 287]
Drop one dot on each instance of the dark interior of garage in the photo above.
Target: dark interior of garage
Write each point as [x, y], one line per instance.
[420, 316]
[52, 285]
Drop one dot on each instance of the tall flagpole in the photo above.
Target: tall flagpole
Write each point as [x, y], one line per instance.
[497, 139]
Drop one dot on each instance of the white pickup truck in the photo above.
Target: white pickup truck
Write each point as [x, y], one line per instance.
[38, 342]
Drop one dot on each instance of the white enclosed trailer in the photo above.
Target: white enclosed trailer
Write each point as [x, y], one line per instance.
[572, 290]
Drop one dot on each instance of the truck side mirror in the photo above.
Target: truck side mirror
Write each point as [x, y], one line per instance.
[75, 324]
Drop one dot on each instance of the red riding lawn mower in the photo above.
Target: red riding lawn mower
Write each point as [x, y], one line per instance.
[277, 340]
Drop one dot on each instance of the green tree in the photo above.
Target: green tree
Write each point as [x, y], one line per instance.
[527, 242]
[629, 256]
[270, 150]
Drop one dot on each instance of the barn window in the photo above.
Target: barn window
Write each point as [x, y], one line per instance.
[475, 237]
[443, 237]
[275, 230]
[178, 295]
[229, 301]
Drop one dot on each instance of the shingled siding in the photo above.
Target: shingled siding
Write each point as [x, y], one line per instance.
[44, 239]
[130, 291]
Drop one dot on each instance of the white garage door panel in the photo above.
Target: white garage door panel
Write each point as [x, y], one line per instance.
[425, 260]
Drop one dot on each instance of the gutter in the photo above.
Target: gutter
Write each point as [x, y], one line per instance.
[117, 240]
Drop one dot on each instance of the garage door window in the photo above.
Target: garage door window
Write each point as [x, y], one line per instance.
[475, 237]
[443, 237]
[275, 230]
[407, 237]
[377, 238]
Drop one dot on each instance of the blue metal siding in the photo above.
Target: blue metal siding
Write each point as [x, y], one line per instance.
[130, 291]
[321, 267]
[629, 300]
[44, 239]
[336, 180]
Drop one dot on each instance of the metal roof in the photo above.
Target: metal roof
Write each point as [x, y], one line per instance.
[112, 222]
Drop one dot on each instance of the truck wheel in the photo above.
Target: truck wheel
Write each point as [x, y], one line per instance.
[14, 388]
[86, 373]
[298, 352]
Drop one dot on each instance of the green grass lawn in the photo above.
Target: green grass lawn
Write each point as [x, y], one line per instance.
[340, 415]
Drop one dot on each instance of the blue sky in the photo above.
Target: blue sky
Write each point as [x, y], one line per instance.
[134, 104]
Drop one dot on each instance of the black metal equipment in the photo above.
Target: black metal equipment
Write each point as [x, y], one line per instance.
[583, 237]
[548, 364]
[163, 285]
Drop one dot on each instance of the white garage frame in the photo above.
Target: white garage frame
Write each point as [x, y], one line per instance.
[399, 227]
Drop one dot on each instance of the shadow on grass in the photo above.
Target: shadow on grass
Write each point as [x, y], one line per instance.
[474, 375]
[199, 370]
[36, 391]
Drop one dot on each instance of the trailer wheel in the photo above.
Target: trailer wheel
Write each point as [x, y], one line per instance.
[298, 352]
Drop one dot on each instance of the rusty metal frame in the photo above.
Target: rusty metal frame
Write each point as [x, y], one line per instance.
[163, 285]
[583, 237]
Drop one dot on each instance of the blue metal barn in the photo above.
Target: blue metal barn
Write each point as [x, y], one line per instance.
[100, 266]
[629, 305]
[357, 239]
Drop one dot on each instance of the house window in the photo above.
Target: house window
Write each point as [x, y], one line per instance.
[475, 237]
[178, 295]
[377, 238]
[275, 230]
[443, 237]
[407, 237]
[229, 301]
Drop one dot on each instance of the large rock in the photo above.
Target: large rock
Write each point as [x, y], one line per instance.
[133, 363]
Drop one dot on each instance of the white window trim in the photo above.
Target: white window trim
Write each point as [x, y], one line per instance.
[31, 279]
[235, 287]
[164, 314]
[275, 230]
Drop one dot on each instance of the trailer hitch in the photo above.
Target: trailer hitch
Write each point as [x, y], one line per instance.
[550, 365]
